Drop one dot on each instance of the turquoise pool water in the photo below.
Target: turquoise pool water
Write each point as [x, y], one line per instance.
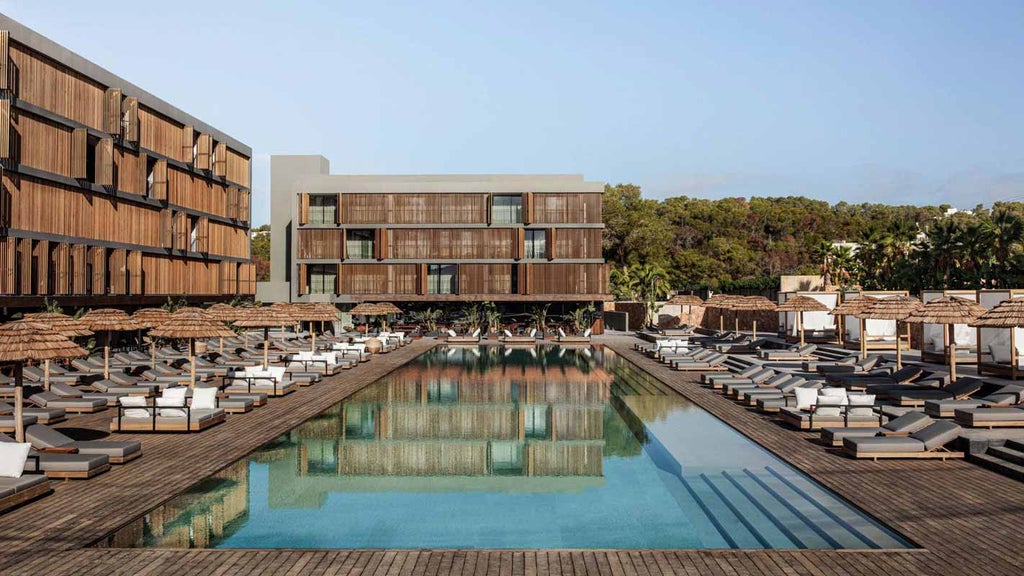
[510, 448]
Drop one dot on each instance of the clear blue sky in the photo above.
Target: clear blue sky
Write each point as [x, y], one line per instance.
[887, 101]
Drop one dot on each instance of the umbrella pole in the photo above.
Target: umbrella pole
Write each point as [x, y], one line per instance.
[736, 319]
[266, 346]
[899, 347]
[152, 351]
[220, 350]
[106, 357]
[952, 354]
[312, 334]
[19, 426]
[863, 340]
[192, 361]
[754, 336]
[840, 323]
[800, 318]
[46, 375]
[721, 320]
[1013, 352]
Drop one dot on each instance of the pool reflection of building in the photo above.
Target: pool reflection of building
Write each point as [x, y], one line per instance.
[207, 513]
[445, 426]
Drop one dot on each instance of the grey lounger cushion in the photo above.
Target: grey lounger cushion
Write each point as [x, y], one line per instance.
[907, 424]
[51, 400]
[990, 415]
[7, 422]
[67, 463]
[11, 486]
[883, 444]
[47, 414]
[46, 437]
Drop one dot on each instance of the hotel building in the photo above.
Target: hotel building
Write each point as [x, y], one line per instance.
[436, 238]
[112, 196]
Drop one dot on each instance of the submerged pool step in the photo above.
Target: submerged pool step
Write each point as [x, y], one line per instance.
[765, 508]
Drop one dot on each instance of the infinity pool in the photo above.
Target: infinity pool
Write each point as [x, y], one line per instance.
[495, 447]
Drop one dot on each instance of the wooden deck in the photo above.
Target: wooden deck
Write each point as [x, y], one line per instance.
[967, 520]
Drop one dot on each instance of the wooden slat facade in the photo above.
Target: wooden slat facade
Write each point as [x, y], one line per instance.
[66, 134]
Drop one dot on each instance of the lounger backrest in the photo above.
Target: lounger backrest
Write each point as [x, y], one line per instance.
[937, 434]
[869, 362]
[42, 398]
[762, 375]
[277, 372]
[909, 423]
[807, 349]
[964, 386]
[64, 390]
[45, 437]
[716, 359]
[792, 384]
[907, 373]
[778, 379]
[748, 371]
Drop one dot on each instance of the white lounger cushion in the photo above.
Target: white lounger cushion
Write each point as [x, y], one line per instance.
[204, 399]
[12, 458]
[132, 407]
[861, 404]
[561, 333]
[171, 407]
[476, 333]
[507, 333]
[805, 398]
[452, 334]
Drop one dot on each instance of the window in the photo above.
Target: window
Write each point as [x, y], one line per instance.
[506, 458]
[442, 279]
[507, 210]
[359, 422]
[358, 243]
[535, 421]
[322, 278]
[536, 244]
[193, 239]
[322, 209]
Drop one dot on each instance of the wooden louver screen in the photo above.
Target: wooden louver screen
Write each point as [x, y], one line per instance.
[337, 279]
[104, 170]
[243, 206]
[181, 231]
[220, 160]
[203, 236]
[337, 212]
[204, 149]
[24, 266]
[159, 191]
[135, 272]
[421, 279]
[166, 228]
[8, 258]
[79, 153]
[98, 260]
[41, 261]
[550, 237]
[303, 209]
[112, 111]
[303, 279]
[130, 119]
[5, 129]
[118, 271]
[228, 277]
[527, 207]
[61, 262]
[5, 58]
[188, 140]
[79, 269]
[232, 193]
[519, 251]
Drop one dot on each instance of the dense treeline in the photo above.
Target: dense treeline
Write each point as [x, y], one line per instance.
[734, 242]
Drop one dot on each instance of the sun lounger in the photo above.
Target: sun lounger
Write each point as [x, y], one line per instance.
[139, 415]
[858, 367]
[573, 338]
[44, 438]
[731, 389]
[747, 372]
[42, 415]
[64, 464]
[782, 392]
[70, 392]
[17, 491]
[1003, 397]
[74, 405]
[863, 380]
[995, 417]
[813, 365]
[36, 374]
[929, 442]
[745, 347]
[143, 388]
[805, 352]
[719, 381]
[911, 396]
[326, 363]
[713, 363]
[904, 425]
[7, 421]
[271, 381]
[826, 407]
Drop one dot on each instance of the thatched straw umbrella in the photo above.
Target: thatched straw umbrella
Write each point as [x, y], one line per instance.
[227, 314]
[948, 310]
[688, 300]
[315, 312]
[897, 308]
[721, 302]
[109, 320]
[752, 304]
[191, 326]
[801, 304]
[376, 309]
[850, 307]
[25, 340]
[151, 318]
[62, 324]
[265, 317]
[1008, 314]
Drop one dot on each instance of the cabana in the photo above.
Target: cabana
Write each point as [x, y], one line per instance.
[818, 326]
[995, 353]
[879, 335]
[935, 343]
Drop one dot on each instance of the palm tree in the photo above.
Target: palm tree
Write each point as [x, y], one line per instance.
[652, 281]
[1007, 237]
